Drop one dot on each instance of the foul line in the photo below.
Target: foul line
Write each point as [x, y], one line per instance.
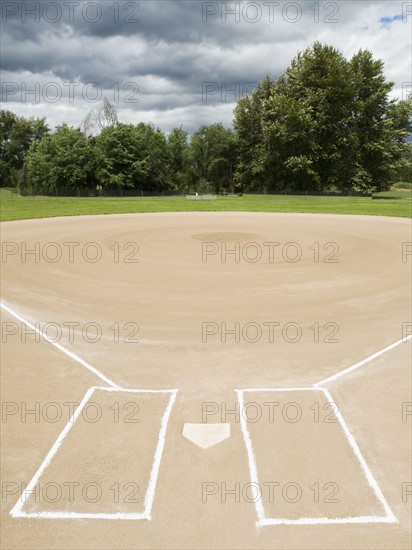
[61, 348]
[17, 512]
[363, 362]
[150, 493]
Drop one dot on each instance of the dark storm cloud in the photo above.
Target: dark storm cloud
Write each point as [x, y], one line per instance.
[69, 54]
[188, 59]
[30, 27]
[169, 21]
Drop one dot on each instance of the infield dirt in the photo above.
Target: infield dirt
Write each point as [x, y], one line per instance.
[207, 304]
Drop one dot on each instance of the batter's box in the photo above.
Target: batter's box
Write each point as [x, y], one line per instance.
[105, 462]
[305, 465]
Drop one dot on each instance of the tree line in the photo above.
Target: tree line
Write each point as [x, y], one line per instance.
[327, 123]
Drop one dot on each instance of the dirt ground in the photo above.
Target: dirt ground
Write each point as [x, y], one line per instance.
[191, 307]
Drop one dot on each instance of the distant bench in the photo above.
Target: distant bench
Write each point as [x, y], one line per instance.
[200, 197]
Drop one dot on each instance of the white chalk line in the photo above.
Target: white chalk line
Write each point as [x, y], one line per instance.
[131, 390]
[324, 521]
[260, 511]
[17, 511]
[262, 520]
[76, 515]
[150, 493]
[67, 352]
[363, 362]
[254, 390]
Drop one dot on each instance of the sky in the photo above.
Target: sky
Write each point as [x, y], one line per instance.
[179, 62]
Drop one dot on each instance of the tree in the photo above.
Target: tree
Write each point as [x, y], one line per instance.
[305, 128]
[403, 172]
[63, 160]
[251, 174]
[380, 125]
[121, 159]
[178, 159]
[155, 149]
[133, 157]
[325, 123]
[212, 156]
[104, 117]
[16, 136]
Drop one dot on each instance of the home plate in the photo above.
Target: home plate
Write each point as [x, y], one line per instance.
[206, 435]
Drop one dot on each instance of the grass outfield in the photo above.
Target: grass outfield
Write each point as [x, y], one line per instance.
[15, 207]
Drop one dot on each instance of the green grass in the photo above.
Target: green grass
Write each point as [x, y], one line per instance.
[391, 203]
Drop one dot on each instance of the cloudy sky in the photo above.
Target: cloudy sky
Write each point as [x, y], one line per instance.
[178, 62]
